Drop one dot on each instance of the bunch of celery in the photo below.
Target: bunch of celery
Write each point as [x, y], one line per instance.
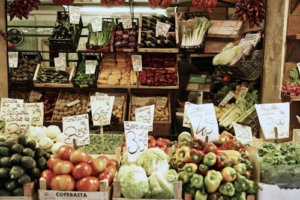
[101, 38]
[192, 36]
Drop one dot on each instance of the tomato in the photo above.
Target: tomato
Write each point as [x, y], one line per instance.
[10, 46]
[106, 159]
[64, 152]
[113, 163]
[63, 183]
[98, 165]
[106, 175]
[63, 167]
[52, 161]
[89, 184]
[79, 156]
[81, 170]
[112, 170]
[47, 175]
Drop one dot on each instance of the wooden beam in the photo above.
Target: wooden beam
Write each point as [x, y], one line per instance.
[3, 54]
[274, 50]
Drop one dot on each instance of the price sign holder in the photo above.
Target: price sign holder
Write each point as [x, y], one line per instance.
[101, 132]
[126, 20]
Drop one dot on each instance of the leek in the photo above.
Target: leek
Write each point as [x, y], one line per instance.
[101, 38]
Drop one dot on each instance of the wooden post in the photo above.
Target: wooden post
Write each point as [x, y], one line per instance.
[3, 54]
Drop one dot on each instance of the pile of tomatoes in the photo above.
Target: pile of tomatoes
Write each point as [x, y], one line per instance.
[75, 169]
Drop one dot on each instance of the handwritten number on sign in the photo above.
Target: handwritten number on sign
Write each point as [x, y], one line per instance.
[143, 141]
[134, 147]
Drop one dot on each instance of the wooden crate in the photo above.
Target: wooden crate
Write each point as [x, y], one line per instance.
[116, 156]
[117, 191]
[28, 193]
[225, 29]
[70, 70]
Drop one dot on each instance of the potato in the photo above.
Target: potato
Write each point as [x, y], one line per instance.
[61, 113]
[218, 115]
[77, 113]
[217, 109]
[65, 113]
[59, 117]
[83, 112]
[78, 105]
[74, 109]
[63, 101]
[70, 112]
[84, 102]
[55, 112]
[237, 92]
[132, 118]
[54, 117]
[61, 109]
[65, 109]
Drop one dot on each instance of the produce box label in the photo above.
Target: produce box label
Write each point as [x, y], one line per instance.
[273, 116]
[243, 133]
[17, 122]
[186, 121]
[162, 29]
[250, 39]
[13, 59]
[96, 23]
[7, 103]
[145, 114]
[71, 195]
[242, 94]
[73, 103]
[137, 62]
[60, 64]
[37, 113]
[136, 134]
[74, 14]
[161, 102]
[34, 96]
[76, 127]
[126, 21]
[227, 98]
[100, 94]
[90, 66]
[204, 121]
[102, 109]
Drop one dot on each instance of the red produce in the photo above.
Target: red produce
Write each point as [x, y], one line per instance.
[159, 3]
[112, 3]
[21, 8]
[63, 2]
[208, 5]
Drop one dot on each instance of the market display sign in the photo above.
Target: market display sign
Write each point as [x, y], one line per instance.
[161, 102]
[204, 121]
[90, 66]
[227, 98]
[102, 109]
[96, 23]
[60, 64]
[137, 62]
[126, 21]
[71, 195]
[34, 96]
[273, 116]
[162, 29]
[13, 59]
[145, 114]
[242, 94]
[74, 14]
[37, 113]
[243, 133]
[76, 127]
[7, 103]
[186, 121]
[136, 134]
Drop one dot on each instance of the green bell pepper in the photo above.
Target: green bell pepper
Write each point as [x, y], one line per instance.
[239, 196]
[210, 159]
[241, 183]
[189, 189]
[217, 196]
[190, 168]
[253, 187]
[227, 189]
[184, 177]
[240, 168]
[248, 164]
[201, 194]
[212, 180]
[197, 181]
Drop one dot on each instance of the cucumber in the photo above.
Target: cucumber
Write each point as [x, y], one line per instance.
[11, 184]
[42, 163]
[22, 140]
[47, 156]
[18, 191]
[4, 172]
[35, 172]
[28, 162]
[31, 144]
[5, 162]
[15, 159]
[4, 192]
[4, 151]
[23, 179]
[39, 152]
[28, 152]
[2, 139]
[16, 172]
[17, 148]
[9, 144]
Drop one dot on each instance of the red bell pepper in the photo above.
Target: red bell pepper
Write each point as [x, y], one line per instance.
[196, 156]
[203, 169]
[223, 160]
[211, 147]
[198, 144]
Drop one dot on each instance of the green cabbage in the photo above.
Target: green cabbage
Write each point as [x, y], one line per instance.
[134, 181]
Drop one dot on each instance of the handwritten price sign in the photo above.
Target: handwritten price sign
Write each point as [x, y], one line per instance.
[162, 29]
[227, 98]
[37, 113]
[96, 23]
[145, 114]
[13, 59]
[137, 62]
[243, 133]
[7, 104]
[74, 15]
[126, 21]
[102, 109]
[60, 64]
[90, 66]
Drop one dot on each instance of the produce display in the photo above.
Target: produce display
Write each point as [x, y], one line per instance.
[158, 60]
[117, 76]
[49, 100]
[20, 9]
[159, 3]
[81, 78]
[114, 3]
[52, 76]
[125, 38]
[220, 110]
[158, 77]
[119, 60]
[291, 88]
[14, 94]
[101, 38]
[208, 5]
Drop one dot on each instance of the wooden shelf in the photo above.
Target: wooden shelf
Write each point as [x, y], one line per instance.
[293, 37]
[291, 99]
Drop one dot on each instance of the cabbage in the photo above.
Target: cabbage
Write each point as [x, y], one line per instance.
[134, 181]
[53, 131]
[37, 133]
[161, 184]
[153, 159]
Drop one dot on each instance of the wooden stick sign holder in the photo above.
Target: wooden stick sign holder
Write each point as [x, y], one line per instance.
[101, 132]
[192, 134]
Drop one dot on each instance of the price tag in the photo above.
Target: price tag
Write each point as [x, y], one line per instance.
[13, 59]
[74, 14]
[100, 94]
[37, 113]
[250, 39]
[76, 127]
[186, 121]
[101, 109]
[137, 62]
[119, 102]
[162, 29]
[18, 121]
[145, 114]
[161, 102]
[274, 115]
[73, 103]
[34, 96]
[90, 66]
[243, 133]
[60, 64]
[96, 23]
[126, 21]
[136, 134]
[204, 121]
[7, 104]
[227, 98]
[242, 94]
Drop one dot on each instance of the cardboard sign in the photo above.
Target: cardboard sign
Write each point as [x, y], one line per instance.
[90, 66]
[7, 103]
[13, 59]
[126, 21]
[161, 102]
[60, 64]
[34, 96]
[145, 114]
[119, 102]
[162, 29]
[227, 98]
[99, 94]
[101, 109]
[74, 14]
[204, 121]
[274, 115]
[137, 62]
[76, 127]
[17, 122]
[73, 103]
[96, 23]
[136, 134]
[242, 94]
[71, 195]
[243, 133]
[37, 113]
[186, 121]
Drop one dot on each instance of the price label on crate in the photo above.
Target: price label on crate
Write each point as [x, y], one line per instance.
[243, 133]
[96, 23]
[242, 94]
[74, 14]
[7, 104]
[37, 113]
[227, 98]
[126, 21]
[34, 96]
[137, 62]
[13, 59]
[145, 114]
[162, 29]
[60, 64]
[90, 66]
[102, 109]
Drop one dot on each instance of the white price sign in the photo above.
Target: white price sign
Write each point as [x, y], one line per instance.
[37, 113]
[204, 121]
[274, 115]
[161, 102]
[243, 133]
[102, 109]
[34, 96]
[60, 64]
[137, 62]
[100, 94]
[145, 114]
[136, 134]
[76, 127]
[227, 98]
[186, 121]
[126, 21]
[90, 66]
[74, 14]
[242, 94]
[96, 23]
[7, 104]
[162, 29]
[13, 59]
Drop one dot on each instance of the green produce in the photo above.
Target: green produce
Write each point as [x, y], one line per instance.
[187, 188]
[227, 189]
[22, 140]
[81, 77]
[212, 181]
[42, 163]
[239, 196]
[17, 148]
[11, 184]
[16, 172]
[103, 37]
[190, 169]
[9, 144]
[28, 162]
[4, 192]
[35, 172]
[18, 191]
[210, 159]
[240, 168]
[3, 144]
[23, 179]
[31, 144]
[4, 172]
[241, 183]
[5, 162]
[227, 55]
[15, 159]
[253, 187]
[197, 181]
[201, 194]
[4, 151]
[52, 76]
[28, 152]
[39, 152]
[184, 177]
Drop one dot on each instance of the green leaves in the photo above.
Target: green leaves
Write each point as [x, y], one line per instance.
[294, 75]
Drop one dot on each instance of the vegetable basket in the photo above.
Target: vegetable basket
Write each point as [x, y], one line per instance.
[66, 44]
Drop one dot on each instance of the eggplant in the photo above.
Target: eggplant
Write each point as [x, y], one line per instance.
[163, 18]
[152, 23]
[145, 21]
[145, 29]
[143, 34]
[161, 37]
[170, 44]
[152, 33]
[146, 25]
[143, 45]
[153, 28]
[154, 18]
[150, 44]
[171, 18]
[161, 44]
[144, 17]
[171, 29]
[170, 37]
[151, 38]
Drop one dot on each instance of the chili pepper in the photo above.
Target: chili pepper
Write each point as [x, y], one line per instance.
[241, 183]
[151, 141]
[201, 194]
[217, 196]
[184, 177]
[234, 156]
[203, 169]
[210, 159]
[198, 144]
[222, 160]
[197, 181]
[210, 147]
[190, 168]
[253, 187]
[227, 189]
[229, 174]
[240, 168]
[196, 155]
[212, 181]
[183, 154]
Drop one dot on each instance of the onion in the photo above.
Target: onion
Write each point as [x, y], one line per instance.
[118, 43]
[118, 38]
[119, 26]
[119, 32]
[131, 44]
[132, 39]
[124, 42]
[134, 27]
[125, 36]
[132, 33]
[126, 32]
